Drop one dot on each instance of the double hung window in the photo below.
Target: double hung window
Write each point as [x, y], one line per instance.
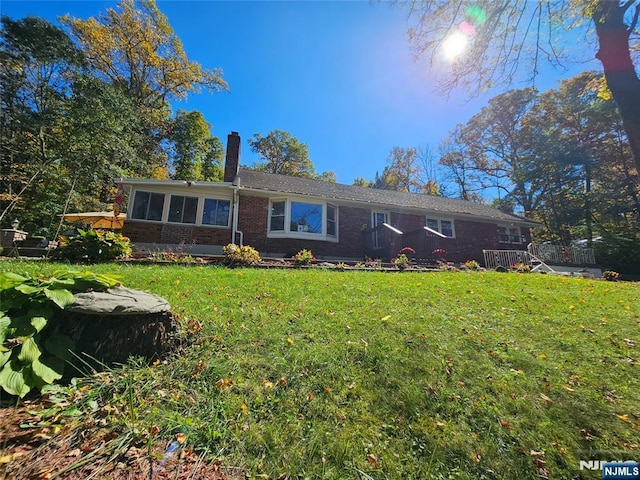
[445, 227]
[509, 234]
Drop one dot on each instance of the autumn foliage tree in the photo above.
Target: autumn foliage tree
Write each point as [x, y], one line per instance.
[511, 39]
[134, 48]
[282, 153]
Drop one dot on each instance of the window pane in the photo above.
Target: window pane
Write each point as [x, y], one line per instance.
[447, 228]
[277, 224]
[140, 205]
[433, 224]
[209, 211]
[156, 206]
[190, 209]
[306, 217]
[175, 208]
[222, 213]
[277, 208]
[331, 212]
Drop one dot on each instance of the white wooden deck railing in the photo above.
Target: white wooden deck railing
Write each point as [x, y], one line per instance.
[537, 253]
[558, 254]
[505, 258]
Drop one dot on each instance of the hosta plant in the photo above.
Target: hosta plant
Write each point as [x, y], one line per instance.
[32, 350]
[93, 245]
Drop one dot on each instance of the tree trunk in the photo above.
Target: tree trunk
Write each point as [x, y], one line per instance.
[619, 72]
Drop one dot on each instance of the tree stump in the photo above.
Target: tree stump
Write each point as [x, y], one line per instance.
[109, 327]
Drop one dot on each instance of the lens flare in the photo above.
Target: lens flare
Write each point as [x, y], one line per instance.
[455, 45]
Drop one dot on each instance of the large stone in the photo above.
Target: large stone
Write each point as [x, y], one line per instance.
[118, 301]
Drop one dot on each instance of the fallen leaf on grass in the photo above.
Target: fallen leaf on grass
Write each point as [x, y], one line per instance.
[506, 424]
[11, 457]
[545, 398]
[244, 409]
[224, 383]
[267, 384]
[281, 382]
[476, 456]
[372, 460]
[441, 424]
[624, 418]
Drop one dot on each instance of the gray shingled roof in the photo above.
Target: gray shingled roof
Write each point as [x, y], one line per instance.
[269, 182]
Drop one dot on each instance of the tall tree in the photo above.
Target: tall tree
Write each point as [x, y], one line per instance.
[135, 49]
[37, 64]
[195, 152]
[508, 37]
[401, 172]
[499, 147]
[283, 153]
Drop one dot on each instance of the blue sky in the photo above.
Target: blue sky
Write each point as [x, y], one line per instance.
[338, 75]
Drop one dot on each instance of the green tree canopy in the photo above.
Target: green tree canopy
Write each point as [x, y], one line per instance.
[195, 153]
[284, 154]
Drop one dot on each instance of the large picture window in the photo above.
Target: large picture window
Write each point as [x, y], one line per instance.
[293, 218]
[306, 217]
[216, 212]
[148, 206]
[445, 227]
[183, 209]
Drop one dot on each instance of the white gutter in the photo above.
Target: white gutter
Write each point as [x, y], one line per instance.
[234, 222]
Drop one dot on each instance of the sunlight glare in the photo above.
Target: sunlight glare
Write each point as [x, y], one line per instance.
[454, 46]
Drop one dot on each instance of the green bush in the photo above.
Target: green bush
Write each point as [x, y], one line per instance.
[617, 253]
[93, 245]
[32, 350]
[241, 255]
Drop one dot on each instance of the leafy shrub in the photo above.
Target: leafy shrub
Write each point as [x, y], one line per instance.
[93, 245]
[610, 276]
[32, 350]
[472, 264]
[617, 253]
[241, 255]
[402, 259]
[303, 257]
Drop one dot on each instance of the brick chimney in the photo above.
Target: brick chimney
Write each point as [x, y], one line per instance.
[232, 161]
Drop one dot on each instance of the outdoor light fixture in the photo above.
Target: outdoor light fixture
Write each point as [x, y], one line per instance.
[15, 224]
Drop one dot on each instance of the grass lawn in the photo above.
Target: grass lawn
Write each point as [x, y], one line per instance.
[363, 374]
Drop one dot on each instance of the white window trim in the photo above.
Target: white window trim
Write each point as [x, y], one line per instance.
[286, 233]
[440, 220]
[508, 227]
[199, 210]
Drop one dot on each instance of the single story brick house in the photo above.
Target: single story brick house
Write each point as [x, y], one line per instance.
[280, 215]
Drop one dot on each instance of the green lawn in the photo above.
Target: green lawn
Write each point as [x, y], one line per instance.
[363, 374]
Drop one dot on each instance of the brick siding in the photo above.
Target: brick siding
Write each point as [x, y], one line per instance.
[471, 236]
